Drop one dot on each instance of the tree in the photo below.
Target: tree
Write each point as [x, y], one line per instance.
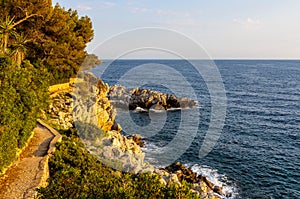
[7, 29]
[64, 42]
[56, 36]
[90, 62]
[18, 49]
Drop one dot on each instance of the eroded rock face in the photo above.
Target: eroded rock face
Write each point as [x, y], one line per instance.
[125, 98]
[119, 152]
[91, 104]
[88, 104]
[137, 139]
[93, 110]
[89, 110]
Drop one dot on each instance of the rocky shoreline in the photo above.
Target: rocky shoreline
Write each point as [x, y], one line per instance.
[89, 108]
[131, 99]
[200, 184]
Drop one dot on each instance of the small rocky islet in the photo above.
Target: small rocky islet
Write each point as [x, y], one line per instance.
[125, 98]
[90, 106]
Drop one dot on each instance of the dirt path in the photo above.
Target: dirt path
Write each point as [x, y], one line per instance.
[25, 175]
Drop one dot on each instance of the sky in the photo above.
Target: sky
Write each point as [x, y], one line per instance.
[225, 29]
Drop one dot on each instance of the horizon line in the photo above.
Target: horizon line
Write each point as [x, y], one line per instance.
[214, 59]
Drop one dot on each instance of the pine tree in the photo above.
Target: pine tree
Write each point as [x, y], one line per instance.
[56, 36]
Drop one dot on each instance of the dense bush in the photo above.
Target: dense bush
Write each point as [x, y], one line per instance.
[74, 173]
[23, 93]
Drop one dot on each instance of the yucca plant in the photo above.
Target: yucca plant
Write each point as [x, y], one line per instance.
[6, 29]
[18, 48]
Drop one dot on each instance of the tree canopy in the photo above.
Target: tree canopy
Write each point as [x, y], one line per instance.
[36, 30]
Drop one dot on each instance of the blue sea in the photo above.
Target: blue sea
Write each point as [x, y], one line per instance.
[258, 152]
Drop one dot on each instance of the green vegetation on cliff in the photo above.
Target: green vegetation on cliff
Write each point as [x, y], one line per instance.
[74, 173]
[40, 44]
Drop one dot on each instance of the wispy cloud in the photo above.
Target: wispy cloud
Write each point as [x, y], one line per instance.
[183, 22]
[101, 4]
[170, 18]
[139, 10]
[247, 22]
[84, 7]
[108, 4]
[136, 10]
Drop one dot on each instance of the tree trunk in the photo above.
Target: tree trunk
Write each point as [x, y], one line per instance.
[4, 43]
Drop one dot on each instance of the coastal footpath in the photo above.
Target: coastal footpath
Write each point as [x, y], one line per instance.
[30, 170]
[89, 105]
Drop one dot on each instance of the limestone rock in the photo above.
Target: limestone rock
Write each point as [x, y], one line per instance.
[120, 153]
[137, 139]
[177, 172]
[60, 111]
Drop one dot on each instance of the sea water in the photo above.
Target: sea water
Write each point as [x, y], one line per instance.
[258, 152]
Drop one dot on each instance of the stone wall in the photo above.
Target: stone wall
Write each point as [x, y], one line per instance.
[61, 87]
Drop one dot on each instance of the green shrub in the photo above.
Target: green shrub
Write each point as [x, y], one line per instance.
[47, 44]
[23, 93]
[74, 173]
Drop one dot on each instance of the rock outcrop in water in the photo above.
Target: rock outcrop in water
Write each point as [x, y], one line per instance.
[125, 98]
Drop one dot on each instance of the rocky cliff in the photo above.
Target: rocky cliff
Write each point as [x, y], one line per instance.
[89, 109]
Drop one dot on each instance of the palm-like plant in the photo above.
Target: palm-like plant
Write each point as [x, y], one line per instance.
[6, 29]
[18, 48]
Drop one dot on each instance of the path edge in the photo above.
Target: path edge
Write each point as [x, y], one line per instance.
[44, 164]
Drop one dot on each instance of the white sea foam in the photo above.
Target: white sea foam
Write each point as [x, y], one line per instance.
[150, 147]
[217, 179]
[198, 104]
[211, 174]
[139, 109]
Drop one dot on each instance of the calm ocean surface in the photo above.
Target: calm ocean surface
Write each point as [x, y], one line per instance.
[259, 148]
